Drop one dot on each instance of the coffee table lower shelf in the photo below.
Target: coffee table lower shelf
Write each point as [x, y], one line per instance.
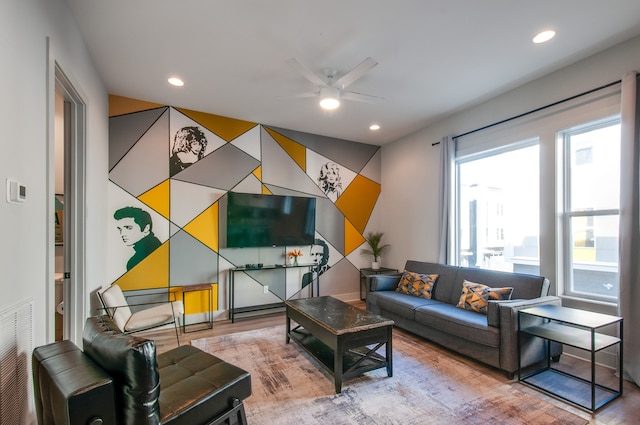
[355, 361]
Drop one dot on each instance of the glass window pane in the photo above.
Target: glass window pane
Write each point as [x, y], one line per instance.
[595, 169]
[498, 211]
[594, 264]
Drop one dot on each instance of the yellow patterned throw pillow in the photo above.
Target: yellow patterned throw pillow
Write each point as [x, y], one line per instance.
[416, 284]
[476, 296]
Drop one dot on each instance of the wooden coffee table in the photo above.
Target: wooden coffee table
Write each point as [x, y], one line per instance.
[343, 338]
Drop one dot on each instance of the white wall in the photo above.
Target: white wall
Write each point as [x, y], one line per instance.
[26, 120]
[410, 166]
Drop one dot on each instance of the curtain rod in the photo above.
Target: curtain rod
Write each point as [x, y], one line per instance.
[533, 111]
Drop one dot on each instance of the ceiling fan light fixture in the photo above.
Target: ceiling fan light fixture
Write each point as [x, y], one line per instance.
[329, 98]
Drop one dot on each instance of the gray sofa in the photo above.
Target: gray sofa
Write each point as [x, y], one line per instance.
[491, 338]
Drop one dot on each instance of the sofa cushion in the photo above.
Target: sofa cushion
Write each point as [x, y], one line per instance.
[131, 361]
[476, 296]
[417, 284]
[446, 278]
[397, 302]
[524, 286]
[197, 386]
[458, 323]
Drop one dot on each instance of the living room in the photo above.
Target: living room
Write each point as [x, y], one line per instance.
[26, 260]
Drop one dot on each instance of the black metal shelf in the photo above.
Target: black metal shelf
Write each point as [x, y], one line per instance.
[575, 328]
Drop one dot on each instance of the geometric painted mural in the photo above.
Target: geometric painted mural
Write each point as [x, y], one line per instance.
[171, 167]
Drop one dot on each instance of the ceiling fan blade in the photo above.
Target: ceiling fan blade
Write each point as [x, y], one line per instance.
[355, 73]
[359, 97]
[307, 72]
[301, 95]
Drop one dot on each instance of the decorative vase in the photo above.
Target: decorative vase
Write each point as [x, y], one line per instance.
[295, 261]
[375, 265]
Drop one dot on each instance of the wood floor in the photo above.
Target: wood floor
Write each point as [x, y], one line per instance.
[624, 410]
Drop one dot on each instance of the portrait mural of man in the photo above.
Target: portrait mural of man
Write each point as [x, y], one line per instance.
[320, 258]
[189, 145]
[329, 180]
[136, 230]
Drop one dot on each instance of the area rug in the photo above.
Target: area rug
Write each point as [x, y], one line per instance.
[290, 388]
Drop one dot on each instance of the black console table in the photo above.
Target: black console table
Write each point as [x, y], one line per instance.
[579, 329]
[233, 310]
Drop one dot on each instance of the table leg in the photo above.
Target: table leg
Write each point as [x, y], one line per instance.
[389, 351]
[337, 364]
[288, 328]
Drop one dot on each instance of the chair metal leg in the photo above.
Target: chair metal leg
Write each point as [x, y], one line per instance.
[176, 326]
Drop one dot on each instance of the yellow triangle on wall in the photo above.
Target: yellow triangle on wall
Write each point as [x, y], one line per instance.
[225, 127]
[120, 105]
[358, 200]
[258, 173]
[196, 301]
[352, 238]
[296, 151]
[266, 191]
[152, 272]
[205, 227]
[158, 198]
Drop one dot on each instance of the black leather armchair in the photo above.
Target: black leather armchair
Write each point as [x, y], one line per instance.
[118, 379]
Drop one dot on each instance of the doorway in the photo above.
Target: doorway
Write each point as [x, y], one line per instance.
[68, 300]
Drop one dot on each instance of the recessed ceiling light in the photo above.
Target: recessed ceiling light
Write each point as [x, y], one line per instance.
[175, 81]
[543, 36]
[374, 127]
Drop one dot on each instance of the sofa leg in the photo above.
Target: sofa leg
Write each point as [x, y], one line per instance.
[510, 375]
[555, 359]
[235, 415]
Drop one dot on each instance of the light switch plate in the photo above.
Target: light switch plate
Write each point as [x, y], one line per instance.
[16, 193]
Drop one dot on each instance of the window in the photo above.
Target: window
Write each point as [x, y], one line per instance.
[591, 209]
[498, 209]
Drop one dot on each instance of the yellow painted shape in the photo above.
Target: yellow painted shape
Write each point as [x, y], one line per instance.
[225, 127]
[158, 198]
[196, 301]
[152, 272]
[358, 200]
[352, 238]
[258, 173]
[205, 227]
[120, 105]
[296, 151]
[266, 191]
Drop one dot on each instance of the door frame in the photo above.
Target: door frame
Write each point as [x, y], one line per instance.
[74, 231]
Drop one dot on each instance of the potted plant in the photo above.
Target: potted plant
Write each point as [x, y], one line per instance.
[374, 239]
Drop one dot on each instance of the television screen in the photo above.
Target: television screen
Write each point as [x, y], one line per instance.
[255, 220]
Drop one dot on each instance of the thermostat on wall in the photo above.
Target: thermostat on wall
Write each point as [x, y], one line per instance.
[16, 193]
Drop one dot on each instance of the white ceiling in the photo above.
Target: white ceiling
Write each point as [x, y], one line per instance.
[435, 57]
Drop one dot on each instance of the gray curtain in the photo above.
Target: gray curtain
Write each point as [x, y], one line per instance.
[630, 226]
[447, 153]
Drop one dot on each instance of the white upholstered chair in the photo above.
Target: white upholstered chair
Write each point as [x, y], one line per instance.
[116, 306]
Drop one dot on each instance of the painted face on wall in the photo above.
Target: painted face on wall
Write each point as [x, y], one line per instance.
[332, 174]
[196, 147]
[317, 253]
[130, 232]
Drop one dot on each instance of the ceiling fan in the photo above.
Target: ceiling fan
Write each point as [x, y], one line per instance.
[331, 88]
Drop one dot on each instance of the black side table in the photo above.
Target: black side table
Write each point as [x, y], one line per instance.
[366, 272]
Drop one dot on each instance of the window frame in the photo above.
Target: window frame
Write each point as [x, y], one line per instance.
[567, 244]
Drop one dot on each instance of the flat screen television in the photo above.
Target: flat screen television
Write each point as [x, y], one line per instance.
[254, 220]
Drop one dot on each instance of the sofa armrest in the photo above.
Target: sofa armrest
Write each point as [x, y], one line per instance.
[532, 350]
[383, 282]
[69, 388]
